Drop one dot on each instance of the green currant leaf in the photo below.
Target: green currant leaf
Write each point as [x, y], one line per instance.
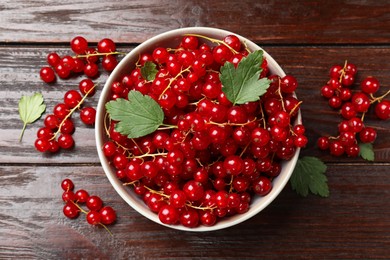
[149, 71]
[242, 84]
[366, 151]
[138, 116]
[31, 109]
[309, 175]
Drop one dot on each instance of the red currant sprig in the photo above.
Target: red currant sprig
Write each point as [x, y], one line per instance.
[353, 106]
[85, 61]
[96, 213]
[59, 127]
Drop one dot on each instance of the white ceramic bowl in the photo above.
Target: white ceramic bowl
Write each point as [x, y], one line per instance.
[171, 39]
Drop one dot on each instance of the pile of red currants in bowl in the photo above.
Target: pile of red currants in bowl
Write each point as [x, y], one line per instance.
[211, 155]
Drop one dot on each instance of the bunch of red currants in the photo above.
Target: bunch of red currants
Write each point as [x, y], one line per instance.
[353, 108]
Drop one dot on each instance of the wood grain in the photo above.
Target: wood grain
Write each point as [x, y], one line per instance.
[305, 37]
[271, 22]
[349, 224]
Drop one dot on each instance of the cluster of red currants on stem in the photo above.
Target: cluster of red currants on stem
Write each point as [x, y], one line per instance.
[353, 108]
[58, 126]
[96, 213]
[212, 156]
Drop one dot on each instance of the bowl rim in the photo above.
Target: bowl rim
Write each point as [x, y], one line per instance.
[123, 191]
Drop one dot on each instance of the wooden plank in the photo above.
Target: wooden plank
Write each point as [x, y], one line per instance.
[271, 22]
[351, 223]
[19, 74]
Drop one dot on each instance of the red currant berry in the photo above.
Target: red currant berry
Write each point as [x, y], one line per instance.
[67, 185]
[189, 218]
[68, 196]
[347, 80]
[106, 46]
[323, 143]
[79, 45]
[327, 91]
[288, 84]
[168, 214]
[65, 141]
[382, 109]
[233, 165]
[193, 190]
[42, 145]
[70, 210]
[47, 74]
[107, 215]
[94, 203]
[348, 110]
[233, 41]
[87, 115]
[262, 186]
[72, 98]
[370, 85]
[109, 62]
[352, 151]
[361, 102]
[335, 71]
[62, 71]
[53, 59]
[221, 54]
[93, 218]
[87, 86]
[82, 196]
[367, 135]
[335, 102]
[91, 70]
[336, 148]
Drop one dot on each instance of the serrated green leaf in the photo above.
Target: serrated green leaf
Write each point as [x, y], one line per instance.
[309, 175]
[31, 109]
[242, 84]
[366, 151]
[138, 116]
[149, 71]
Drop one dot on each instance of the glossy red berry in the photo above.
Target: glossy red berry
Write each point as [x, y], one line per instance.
[79, 45]
[382, 109]
[370, 85]
[94, 203]
[70, 210]
[93, 218]
[47, 74]
[168, 214]
[67, 185]
[107, 215]
[88, 115]
[106, 45]
[262, 186]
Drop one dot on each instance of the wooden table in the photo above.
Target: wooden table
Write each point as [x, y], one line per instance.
[306, 38]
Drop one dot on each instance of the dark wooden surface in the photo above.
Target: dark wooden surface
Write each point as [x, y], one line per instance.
[306, 38]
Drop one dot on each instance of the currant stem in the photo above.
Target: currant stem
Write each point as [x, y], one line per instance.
[213, 41]
[71, 112]
[106, 228]
[295, 107]
[378, 99]
[232, 124]
[342, 74]
[172, 80]
[149, 155]
[80, 208]
[99, 54]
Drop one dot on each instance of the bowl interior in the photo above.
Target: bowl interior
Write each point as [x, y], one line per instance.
[172, 39]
